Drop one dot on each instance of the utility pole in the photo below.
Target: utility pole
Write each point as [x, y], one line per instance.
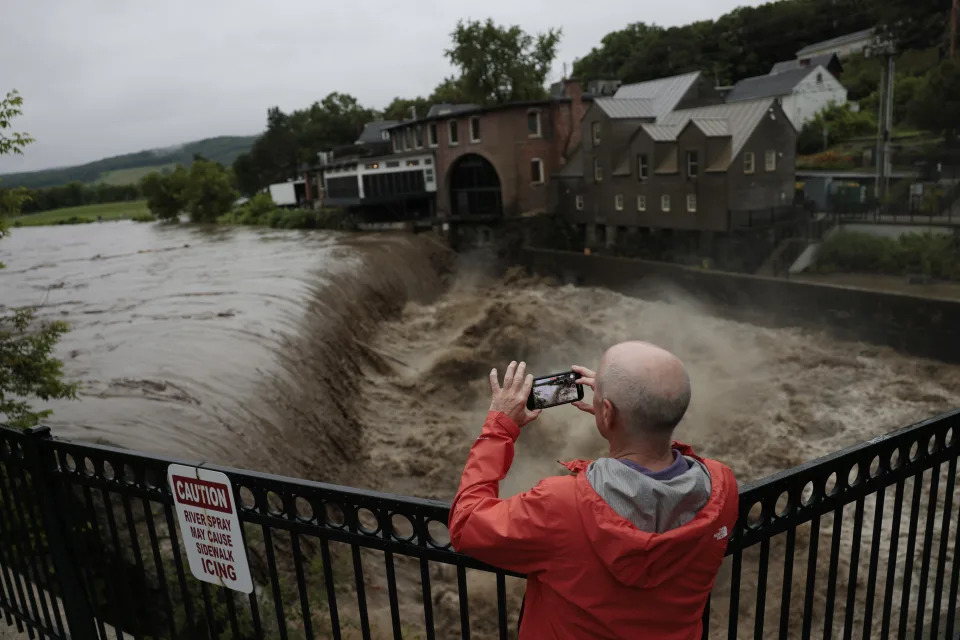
[954, 16]
[881, 126]
[884, 121]
[887, 155]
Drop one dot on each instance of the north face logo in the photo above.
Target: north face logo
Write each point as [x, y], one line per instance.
[720, 534]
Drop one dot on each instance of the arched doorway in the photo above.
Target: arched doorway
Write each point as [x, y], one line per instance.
[474, 187]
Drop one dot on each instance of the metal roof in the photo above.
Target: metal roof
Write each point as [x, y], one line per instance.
[627, 108]
[823, 60]
[770, 86]
[741, 118]
[712, 127]
[448, 109]
[866, 34]
[665, 93]
[442, 111]
[373, 131]
[661, 132]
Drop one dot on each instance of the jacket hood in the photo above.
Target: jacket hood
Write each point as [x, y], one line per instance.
[647, 531]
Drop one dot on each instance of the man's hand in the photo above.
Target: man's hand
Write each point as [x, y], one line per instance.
[511, 399]
[589, 378]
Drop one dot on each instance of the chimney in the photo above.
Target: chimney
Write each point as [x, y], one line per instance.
[573, 89]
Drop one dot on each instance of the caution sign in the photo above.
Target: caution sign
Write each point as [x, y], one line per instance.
[210, 527]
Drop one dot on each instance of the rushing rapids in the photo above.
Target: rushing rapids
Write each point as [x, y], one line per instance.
[362, 360]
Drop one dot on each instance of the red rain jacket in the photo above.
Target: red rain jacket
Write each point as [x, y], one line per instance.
[590, 572]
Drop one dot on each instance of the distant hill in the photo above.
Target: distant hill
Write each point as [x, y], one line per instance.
[130, 167]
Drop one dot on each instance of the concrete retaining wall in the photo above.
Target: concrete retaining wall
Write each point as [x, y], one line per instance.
[920, 326]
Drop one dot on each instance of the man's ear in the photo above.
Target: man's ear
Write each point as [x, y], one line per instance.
[609, 414]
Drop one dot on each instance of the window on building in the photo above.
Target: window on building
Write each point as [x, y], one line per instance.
[819, 78]
[418, 136]
[432, 134]
[395, 137]
[643, 166]
[536, 171]
[693, 164]
[454, 133]
[409, 140]
[618, 202]
[665, 203]
[475, 129]
[595, 133]
[748, 162]
[597, 171]
[770, 163]
[533, 124]
[692, 202]
[579, 203]
[641, 203]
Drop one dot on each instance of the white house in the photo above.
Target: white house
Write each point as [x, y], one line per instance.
[803, 92]
[843, 46]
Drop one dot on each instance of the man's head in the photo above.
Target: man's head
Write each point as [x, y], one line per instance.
[642, 393]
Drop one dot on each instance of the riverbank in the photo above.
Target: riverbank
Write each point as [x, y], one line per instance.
[134, 210]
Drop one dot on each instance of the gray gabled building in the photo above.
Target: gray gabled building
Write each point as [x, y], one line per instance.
[674, 158]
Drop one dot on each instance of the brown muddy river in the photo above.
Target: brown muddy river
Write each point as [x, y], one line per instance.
[183, 338]
[363, 359]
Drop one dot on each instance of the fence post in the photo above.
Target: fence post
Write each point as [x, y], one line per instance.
[39, 460]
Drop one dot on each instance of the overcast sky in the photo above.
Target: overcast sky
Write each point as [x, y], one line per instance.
[104, 77]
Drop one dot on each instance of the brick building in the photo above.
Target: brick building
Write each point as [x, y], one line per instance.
[465, 164]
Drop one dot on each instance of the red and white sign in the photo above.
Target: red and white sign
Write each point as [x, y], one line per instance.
[210, 527]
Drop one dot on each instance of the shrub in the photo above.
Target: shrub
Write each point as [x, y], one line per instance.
[827, 160]
[144, 217]
[260, 211]
[842, 124]
[932, 254]
[75, 220]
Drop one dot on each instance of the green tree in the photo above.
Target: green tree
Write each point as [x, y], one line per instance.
[293, 139]
[745, 42]
[913, 24]
[403, 108]
[27, 366]
[841, 124]
[246, 174]
[209, 192]
[166, 194]
[449, 91]
[499, 64]
[936, 106]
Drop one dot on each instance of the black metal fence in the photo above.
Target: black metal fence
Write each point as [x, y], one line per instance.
[765, 218]
[859, 544]
[906, 216]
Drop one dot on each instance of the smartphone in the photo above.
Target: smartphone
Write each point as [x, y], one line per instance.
[553, 390]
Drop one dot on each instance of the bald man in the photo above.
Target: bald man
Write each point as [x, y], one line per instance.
[629, 545]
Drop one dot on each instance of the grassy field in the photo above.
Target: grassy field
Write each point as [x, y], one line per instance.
[119, 177]
[88, 213]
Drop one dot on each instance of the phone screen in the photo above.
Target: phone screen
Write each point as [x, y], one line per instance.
[552, 390]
